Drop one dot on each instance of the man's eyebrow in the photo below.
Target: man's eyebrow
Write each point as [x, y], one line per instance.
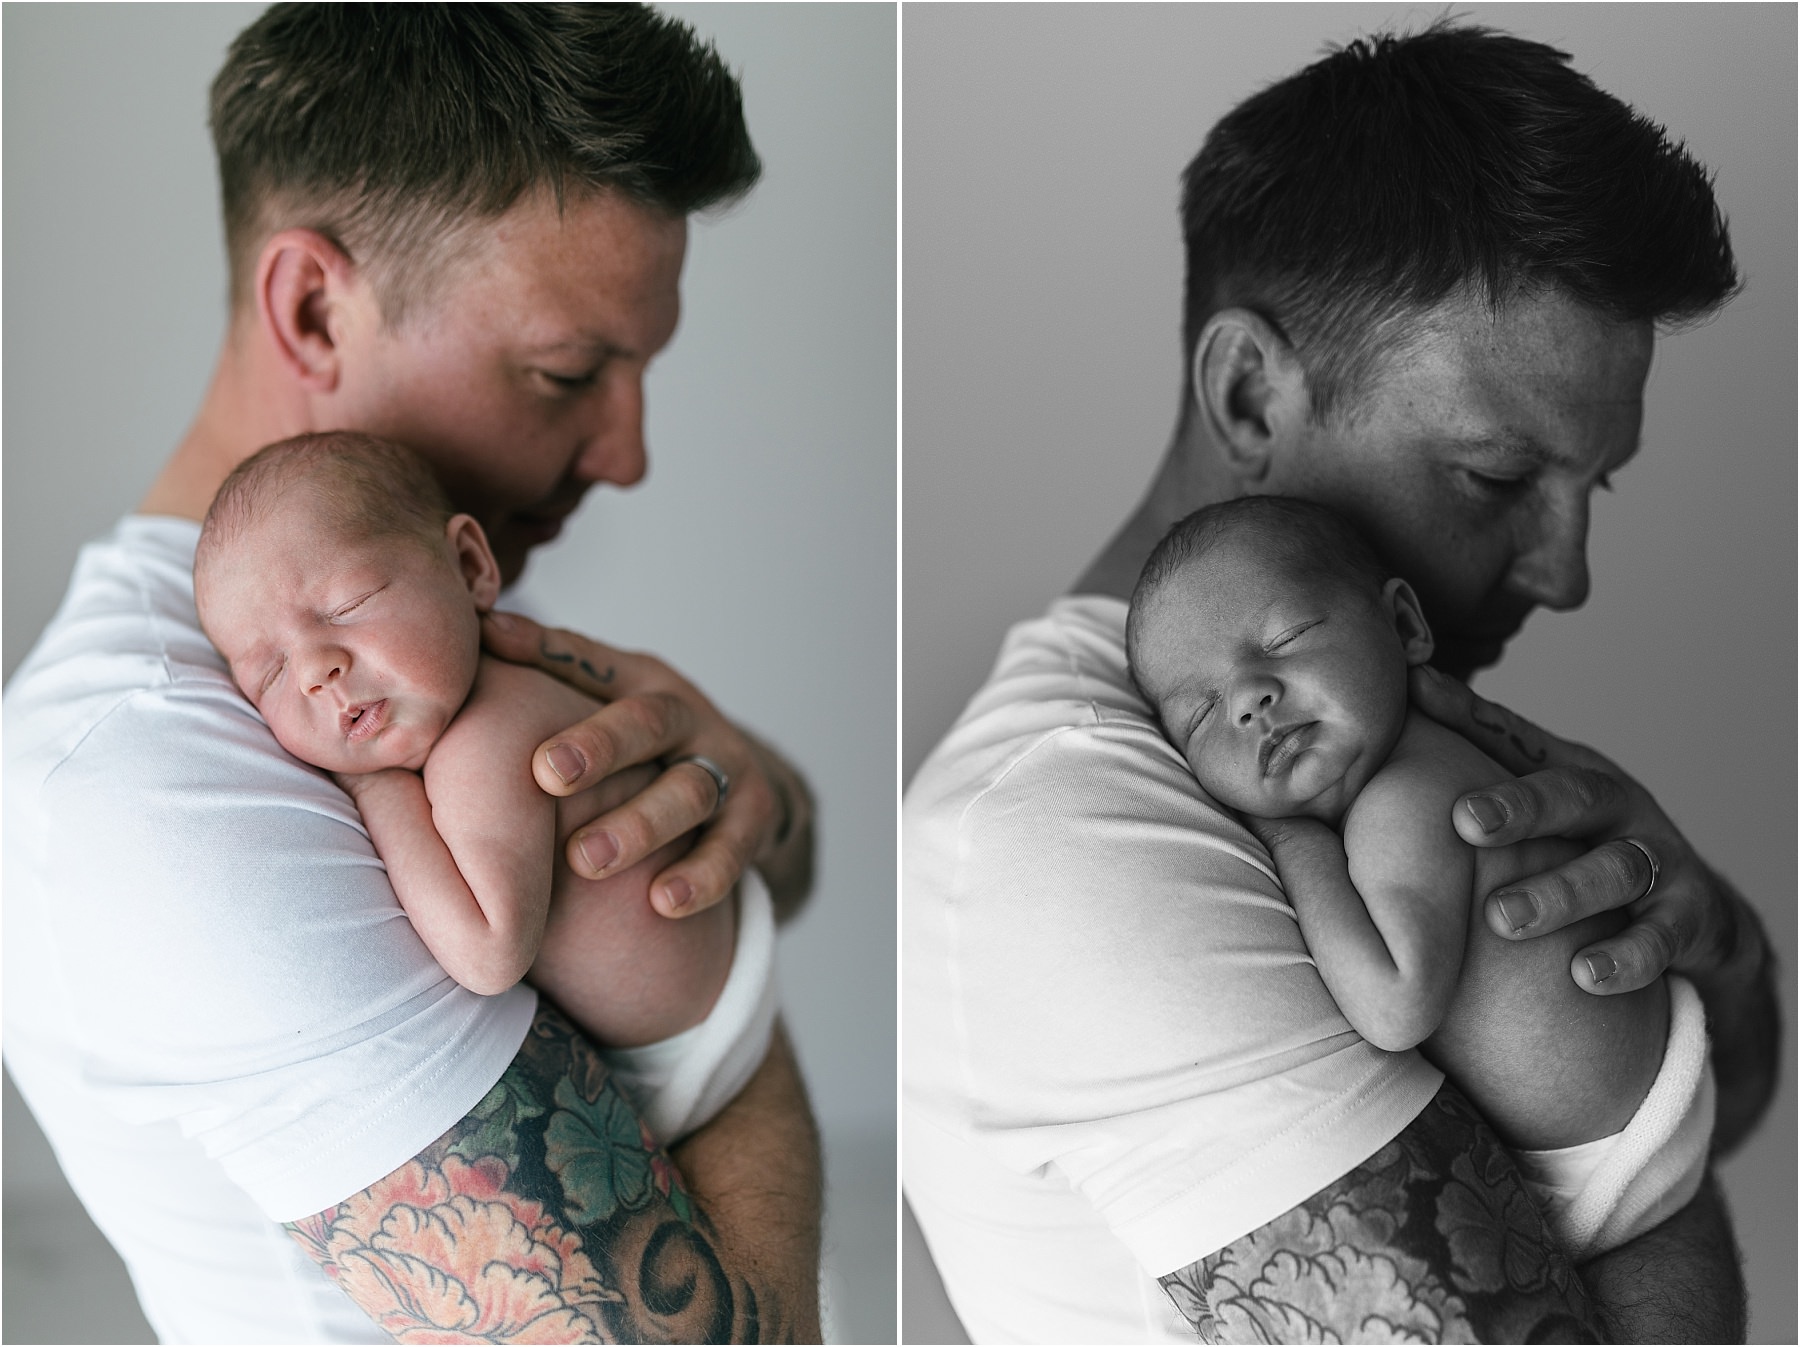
[1516, 445]
[583, 344]
[1510, 444]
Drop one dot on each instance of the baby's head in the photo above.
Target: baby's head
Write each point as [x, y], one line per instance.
[346, 597]
[1274, 646]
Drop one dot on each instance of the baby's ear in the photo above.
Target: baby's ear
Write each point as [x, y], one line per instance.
[1409, 620]
[480, 572]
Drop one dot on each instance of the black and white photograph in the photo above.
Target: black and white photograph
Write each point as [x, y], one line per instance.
[1262, 980]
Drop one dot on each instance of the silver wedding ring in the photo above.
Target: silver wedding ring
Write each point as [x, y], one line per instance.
[1655, 867]
[723, 782]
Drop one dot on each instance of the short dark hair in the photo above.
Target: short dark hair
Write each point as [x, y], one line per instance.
[386, 127]
[1399, 169]
[1310, 539]
[372, 488]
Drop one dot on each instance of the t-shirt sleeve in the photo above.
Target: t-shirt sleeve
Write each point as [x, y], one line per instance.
[1136, 1011]
[235, 960]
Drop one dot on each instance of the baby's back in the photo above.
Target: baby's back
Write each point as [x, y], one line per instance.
[628, 974]
[1548, 1064]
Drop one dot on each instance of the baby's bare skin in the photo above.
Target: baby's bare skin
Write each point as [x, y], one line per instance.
[1545, 1063]
[623, 971]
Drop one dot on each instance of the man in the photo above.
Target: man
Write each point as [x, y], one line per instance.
[1423, 276]
[216, 1013]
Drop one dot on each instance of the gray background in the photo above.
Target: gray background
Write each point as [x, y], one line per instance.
[1042, 371]
[758, 558]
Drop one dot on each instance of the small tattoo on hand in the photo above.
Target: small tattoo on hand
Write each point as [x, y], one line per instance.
[595, 674]
[1531, 754]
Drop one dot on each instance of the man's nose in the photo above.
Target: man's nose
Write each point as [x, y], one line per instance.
[614, 450]
[1552, 568]
[1254, 695]
[323, 668]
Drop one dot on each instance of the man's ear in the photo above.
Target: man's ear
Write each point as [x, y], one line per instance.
[1250, 388]
[306, 287]
[480, 572]
[1409, 620]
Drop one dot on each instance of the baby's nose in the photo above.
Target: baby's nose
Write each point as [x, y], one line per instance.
[324, 674]
[1255, 696]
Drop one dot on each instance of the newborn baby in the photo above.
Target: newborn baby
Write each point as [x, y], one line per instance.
[347, 597]
[1274, 647]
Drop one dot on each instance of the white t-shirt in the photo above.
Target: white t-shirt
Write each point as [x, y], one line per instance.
[213, 1003]
[1119, 1056]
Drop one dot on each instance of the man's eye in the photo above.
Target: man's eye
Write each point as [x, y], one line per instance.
[570, 383]
[1489, 484]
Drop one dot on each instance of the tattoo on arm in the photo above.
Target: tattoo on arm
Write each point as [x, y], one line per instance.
[1432, 1239]
[547, 1215]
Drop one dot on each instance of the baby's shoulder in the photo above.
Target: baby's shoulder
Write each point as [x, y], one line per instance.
[1428, 769]
[512, 705]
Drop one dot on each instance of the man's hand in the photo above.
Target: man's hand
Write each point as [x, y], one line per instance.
[1684, 917]
[652, 712]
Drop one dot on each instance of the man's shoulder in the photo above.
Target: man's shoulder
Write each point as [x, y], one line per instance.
[1060, 683]
[1057, 785]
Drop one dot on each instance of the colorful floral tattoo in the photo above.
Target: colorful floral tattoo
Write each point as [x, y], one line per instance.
[1432, 1239]
[549, 1214]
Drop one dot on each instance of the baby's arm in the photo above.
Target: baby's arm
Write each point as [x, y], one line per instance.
[1384, 909]
[470, 862]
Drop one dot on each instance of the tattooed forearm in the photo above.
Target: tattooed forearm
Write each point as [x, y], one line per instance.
[1432, 1239]
[547, 1215]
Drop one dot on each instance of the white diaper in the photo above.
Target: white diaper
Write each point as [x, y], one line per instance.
[681, 1083]
[1602, 1193]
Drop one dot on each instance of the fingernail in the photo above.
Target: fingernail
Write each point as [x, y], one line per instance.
[566, 762]
[501, 621]
[600, 849]
[1489, 814]
[1600, 965]
[677, 894]
[1518, 907]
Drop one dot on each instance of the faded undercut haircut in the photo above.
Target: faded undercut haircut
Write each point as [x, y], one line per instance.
[1402, 169]
[369, 488]
[391, 128]
[1304, 539]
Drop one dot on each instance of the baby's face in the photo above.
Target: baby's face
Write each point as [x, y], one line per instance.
[357, 652]
[1284, 692]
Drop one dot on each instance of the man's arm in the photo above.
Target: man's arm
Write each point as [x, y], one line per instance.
[765, 818]
[1684, 917]
[549, 1215]
[1435, 1239]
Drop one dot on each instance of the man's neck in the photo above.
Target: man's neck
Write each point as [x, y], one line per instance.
[1192, 474]
[247, 405]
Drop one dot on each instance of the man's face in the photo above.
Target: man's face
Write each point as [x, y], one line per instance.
[521, 378]
[1470, 459]
[358, 652]
[1284, 692]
